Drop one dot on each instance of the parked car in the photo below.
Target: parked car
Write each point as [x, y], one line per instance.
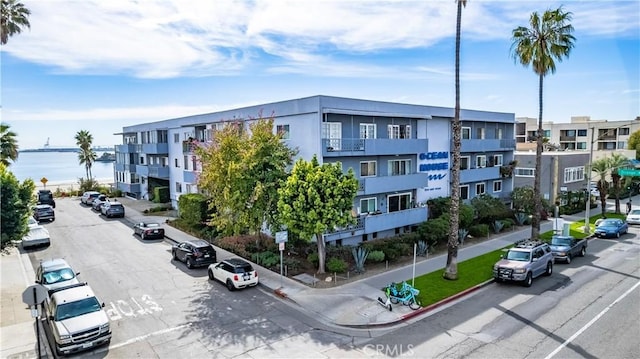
[37, 236]
[523, 262]
[44, 212]
[88, 197]
[564, 248]
[112, 209]
[611, 227]
[633, 217]
[55, 273]
[46, 197]
[148, 230]
[194, 253]
[31, 222]
[98, 202]
[235, 273]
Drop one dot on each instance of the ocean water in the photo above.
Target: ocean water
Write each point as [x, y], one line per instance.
[56, 167]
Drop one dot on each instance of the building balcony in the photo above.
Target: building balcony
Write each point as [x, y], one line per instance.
[474, 145]
[380, 222]
[154, 148]
[479, 174]
[190, 176]
[128, 187]
[568, 138]
[157, 171]
[128, 148]
[382, 184]
[125, 167]
[372, 147]
[189, 146]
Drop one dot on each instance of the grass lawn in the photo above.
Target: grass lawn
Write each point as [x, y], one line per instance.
[433, 288]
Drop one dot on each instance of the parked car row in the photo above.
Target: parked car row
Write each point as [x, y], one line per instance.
[102, 204]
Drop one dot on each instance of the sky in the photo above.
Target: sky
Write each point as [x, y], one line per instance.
[100, 65]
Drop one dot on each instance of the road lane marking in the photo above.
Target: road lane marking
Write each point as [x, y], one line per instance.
[141, 338]
[553, 353]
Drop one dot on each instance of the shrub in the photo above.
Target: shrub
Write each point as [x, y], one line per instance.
[342, 252]
[266, 259]
[375, 256]
[293, 264]
[508, 223]
[313, 259]
[336, 265]
[479, 230]
[497, 226]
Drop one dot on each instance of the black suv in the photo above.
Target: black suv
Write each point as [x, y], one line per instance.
[46, 197]
[195, 253]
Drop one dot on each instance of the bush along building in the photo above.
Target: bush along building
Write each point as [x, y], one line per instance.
[400, 153]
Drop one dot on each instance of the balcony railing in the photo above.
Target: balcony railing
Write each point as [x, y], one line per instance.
[341, 147]
[486, 145]
[381, 184]
[567, 138]
[128, 148]
[157, 171]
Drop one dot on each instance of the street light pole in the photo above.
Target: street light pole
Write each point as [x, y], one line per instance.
[587, 226]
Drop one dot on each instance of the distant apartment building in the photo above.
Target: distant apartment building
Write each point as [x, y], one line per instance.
[580, 134]
[401, 154]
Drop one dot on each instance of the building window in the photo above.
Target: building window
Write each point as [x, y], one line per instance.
[546, 133]
[176, 163]
[497, 186]
[399, 202]
[574, 174]
[524, 172]
[188, 187]
[176, 138]
[367, 130]
[399, 131]
[368, 169]
[480, 133]
[141, 160]
[581, 145]
[623, 131]
[481, 161]
[194, 164]
[283, 130]
[186, 163]
[498, 133]
[582, 133]
[464, 162]
[464, 192]
[497, 160]
[332, 131]
[399, 167]
[571, 133]
[178, 187]
[622, 145]
[368, 205]
[466, 133]
[479, 189]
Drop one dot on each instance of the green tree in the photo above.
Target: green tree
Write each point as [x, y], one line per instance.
[601, 168]
[86, 156]
[14, 19]
[546, 40]
[316, 199]
[522, 199]
[8, 145]
[451, 269]
[241, 172]
[616, 162]
[15, 201]
[634, 143]
[489, 209]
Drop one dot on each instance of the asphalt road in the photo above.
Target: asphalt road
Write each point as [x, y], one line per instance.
[587, 309]
[160, 309]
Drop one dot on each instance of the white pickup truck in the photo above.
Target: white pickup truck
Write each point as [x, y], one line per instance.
[76, 319]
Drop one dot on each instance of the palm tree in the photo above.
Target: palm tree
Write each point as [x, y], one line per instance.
[14, 18]
[8, 145]
[84, 139]
[547, 39]
[601, 168]
[617, 161]
[451, 271]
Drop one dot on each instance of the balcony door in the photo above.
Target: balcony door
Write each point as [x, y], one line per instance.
[399, 202]
[332, 131]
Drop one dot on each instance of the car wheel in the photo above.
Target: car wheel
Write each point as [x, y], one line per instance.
[583, 251]
[189, 263]
[550, 268]
[211, 275]
[528, 280]
[568, 258]
[230, 286]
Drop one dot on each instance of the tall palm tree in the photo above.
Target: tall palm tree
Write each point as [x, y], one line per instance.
[617, 161]
[14, 18]
[601, 168]
[87, 157]
[451, 271]
[547, 39]
[8, 145]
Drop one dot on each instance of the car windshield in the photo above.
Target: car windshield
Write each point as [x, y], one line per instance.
[518, 256]
[561, 241]
[608, 223]
[635, 211]
[58, 276]
[77, 308]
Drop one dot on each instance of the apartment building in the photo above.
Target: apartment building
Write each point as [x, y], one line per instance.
[401, 154]
[581, 134]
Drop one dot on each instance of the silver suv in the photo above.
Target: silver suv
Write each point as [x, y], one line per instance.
[523, 262]
[56, 273]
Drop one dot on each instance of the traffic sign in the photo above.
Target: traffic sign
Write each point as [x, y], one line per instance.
[628, 172]
[34, 294]
[281, 237]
